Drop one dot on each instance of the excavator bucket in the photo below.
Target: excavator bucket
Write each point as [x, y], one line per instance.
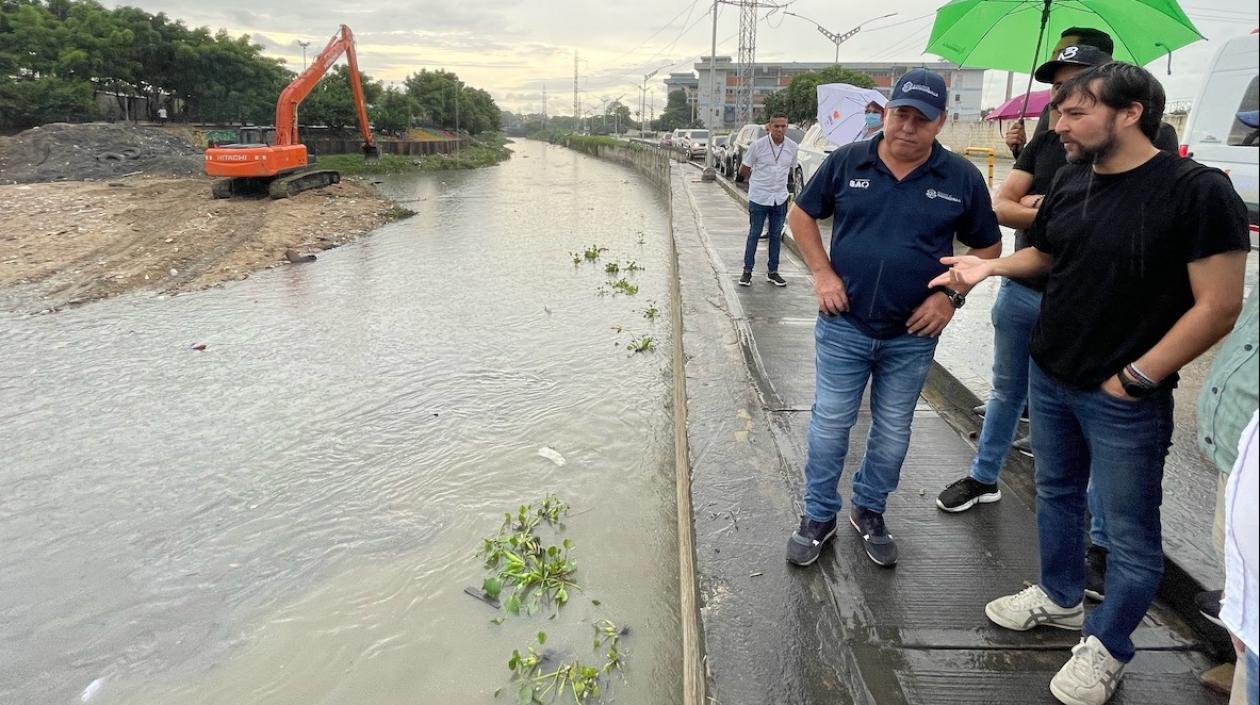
[370, 152]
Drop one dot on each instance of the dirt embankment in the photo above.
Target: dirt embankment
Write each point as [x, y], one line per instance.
[67, 243]
[76, 240]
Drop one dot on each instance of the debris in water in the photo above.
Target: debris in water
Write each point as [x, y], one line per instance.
[198, 346]
[481, 595]
[756, 575]
[552, 455]
[92, 689]
[297, 258]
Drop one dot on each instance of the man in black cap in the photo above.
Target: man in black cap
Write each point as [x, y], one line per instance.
[897, 203]
[1078, 37]
[1015, 314]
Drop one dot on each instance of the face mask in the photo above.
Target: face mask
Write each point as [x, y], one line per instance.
[873, 120]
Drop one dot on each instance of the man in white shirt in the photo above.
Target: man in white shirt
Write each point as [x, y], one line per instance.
[765, 167]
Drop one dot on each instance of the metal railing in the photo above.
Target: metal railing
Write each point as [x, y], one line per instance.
[988, 151]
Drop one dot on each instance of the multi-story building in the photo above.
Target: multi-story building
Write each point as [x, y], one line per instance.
[966, 84]
[689, 85]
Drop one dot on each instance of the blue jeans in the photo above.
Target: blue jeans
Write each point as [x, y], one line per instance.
[1014, 316]
[1253, 677]
[845, 359]
[757, 215]
[1084, 436]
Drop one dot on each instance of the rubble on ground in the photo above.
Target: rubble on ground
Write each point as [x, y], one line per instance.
[95, 151]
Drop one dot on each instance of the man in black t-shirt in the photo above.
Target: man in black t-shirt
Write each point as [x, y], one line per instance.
[1145, 254]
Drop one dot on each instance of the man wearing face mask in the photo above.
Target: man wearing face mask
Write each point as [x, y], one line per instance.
[1145, 254]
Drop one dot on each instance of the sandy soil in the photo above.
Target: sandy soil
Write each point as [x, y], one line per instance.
[67, 243]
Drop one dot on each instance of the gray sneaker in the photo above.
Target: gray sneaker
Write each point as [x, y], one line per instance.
[806, 543]
[1032, 607]
[1023, 445]
[879, 544]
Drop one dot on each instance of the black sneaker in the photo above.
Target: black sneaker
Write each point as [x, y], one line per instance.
[981, 409]
[806, 543]
[1095, 572]
[774, 278]
[966, 493]
[1023, 445]
[1209, 604]
[745, 279]
[879, 544]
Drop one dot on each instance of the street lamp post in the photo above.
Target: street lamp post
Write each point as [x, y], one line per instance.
[643, 96]
[839, 39]
[709, 173]
[303, 45]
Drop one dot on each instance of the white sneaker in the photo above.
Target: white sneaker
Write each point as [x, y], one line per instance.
[1090, 677]
[1032, 607]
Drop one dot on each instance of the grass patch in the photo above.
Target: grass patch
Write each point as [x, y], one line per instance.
[399, 213]
[473, 156]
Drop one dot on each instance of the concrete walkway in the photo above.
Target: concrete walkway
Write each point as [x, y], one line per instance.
[845, 630]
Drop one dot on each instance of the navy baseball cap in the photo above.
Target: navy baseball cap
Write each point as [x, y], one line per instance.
[922, 90]
[1075, 55]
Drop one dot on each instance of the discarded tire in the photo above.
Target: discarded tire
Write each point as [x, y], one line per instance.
[109, 157]
[130, 152]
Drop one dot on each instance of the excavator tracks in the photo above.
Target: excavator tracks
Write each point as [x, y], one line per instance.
[279, 187]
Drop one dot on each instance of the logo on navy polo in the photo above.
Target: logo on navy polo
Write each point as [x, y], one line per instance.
[909, 86]
[859, 183]
[933, 193]
[1068, 53]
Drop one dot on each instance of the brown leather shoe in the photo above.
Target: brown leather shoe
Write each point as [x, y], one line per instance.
[1219, 679]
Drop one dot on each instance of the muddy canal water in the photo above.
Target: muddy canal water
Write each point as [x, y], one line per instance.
[290, 516]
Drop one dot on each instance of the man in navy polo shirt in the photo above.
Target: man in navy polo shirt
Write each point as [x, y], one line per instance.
[897, 203]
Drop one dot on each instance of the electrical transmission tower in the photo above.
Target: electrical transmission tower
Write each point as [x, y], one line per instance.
[577, 105]
[747, 56]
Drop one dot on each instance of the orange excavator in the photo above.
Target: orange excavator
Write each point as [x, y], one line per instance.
[284, 168]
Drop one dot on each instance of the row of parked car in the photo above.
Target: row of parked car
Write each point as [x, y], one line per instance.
[728, 150]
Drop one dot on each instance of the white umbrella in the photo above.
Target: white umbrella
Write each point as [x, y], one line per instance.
[840, 110]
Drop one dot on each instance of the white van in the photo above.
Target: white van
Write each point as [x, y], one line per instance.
[1214, 134]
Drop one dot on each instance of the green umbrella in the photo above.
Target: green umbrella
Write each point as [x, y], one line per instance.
[1015, 35]
[998, 34]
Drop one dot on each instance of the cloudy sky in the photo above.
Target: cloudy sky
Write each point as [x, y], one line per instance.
[513, 48]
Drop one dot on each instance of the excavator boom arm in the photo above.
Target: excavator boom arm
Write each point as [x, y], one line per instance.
[293, 94]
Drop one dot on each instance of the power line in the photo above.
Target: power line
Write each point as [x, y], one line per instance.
[664, 27]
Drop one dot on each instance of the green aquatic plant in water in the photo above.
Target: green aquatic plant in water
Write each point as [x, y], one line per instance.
[642, 344]
[536, 682]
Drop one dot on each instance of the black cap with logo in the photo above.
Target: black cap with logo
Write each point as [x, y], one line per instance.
[1074, 55]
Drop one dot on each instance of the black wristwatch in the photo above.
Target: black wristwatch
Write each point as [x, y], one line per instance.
[955, 298]
[1133, 387]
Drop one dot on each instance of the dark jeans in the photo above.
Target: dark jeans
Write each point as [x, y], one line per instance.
[757, 215]
[845, 360]
[1081, 437]
[1014, 316]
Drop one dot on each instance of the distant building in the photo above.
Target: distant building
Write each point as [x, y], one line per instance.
[966, 84]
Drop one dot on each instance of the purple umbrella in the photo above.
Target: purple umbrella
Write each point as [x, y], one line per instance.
[1010, 110]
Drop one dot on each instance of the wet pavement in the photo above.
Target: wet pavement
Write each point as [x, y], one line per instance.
[290, 516]
[845, 630]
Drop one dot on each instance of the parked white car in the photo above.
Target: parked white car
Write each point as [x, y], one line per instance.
[1214, 135]
[694, 141]
[810, 154]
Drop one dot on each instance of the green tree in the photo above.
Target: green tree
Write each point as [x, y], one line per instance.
[37, 101]
[799, 101]
[332, 101]
[677, 113]
[393, 111]
[437, 93]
